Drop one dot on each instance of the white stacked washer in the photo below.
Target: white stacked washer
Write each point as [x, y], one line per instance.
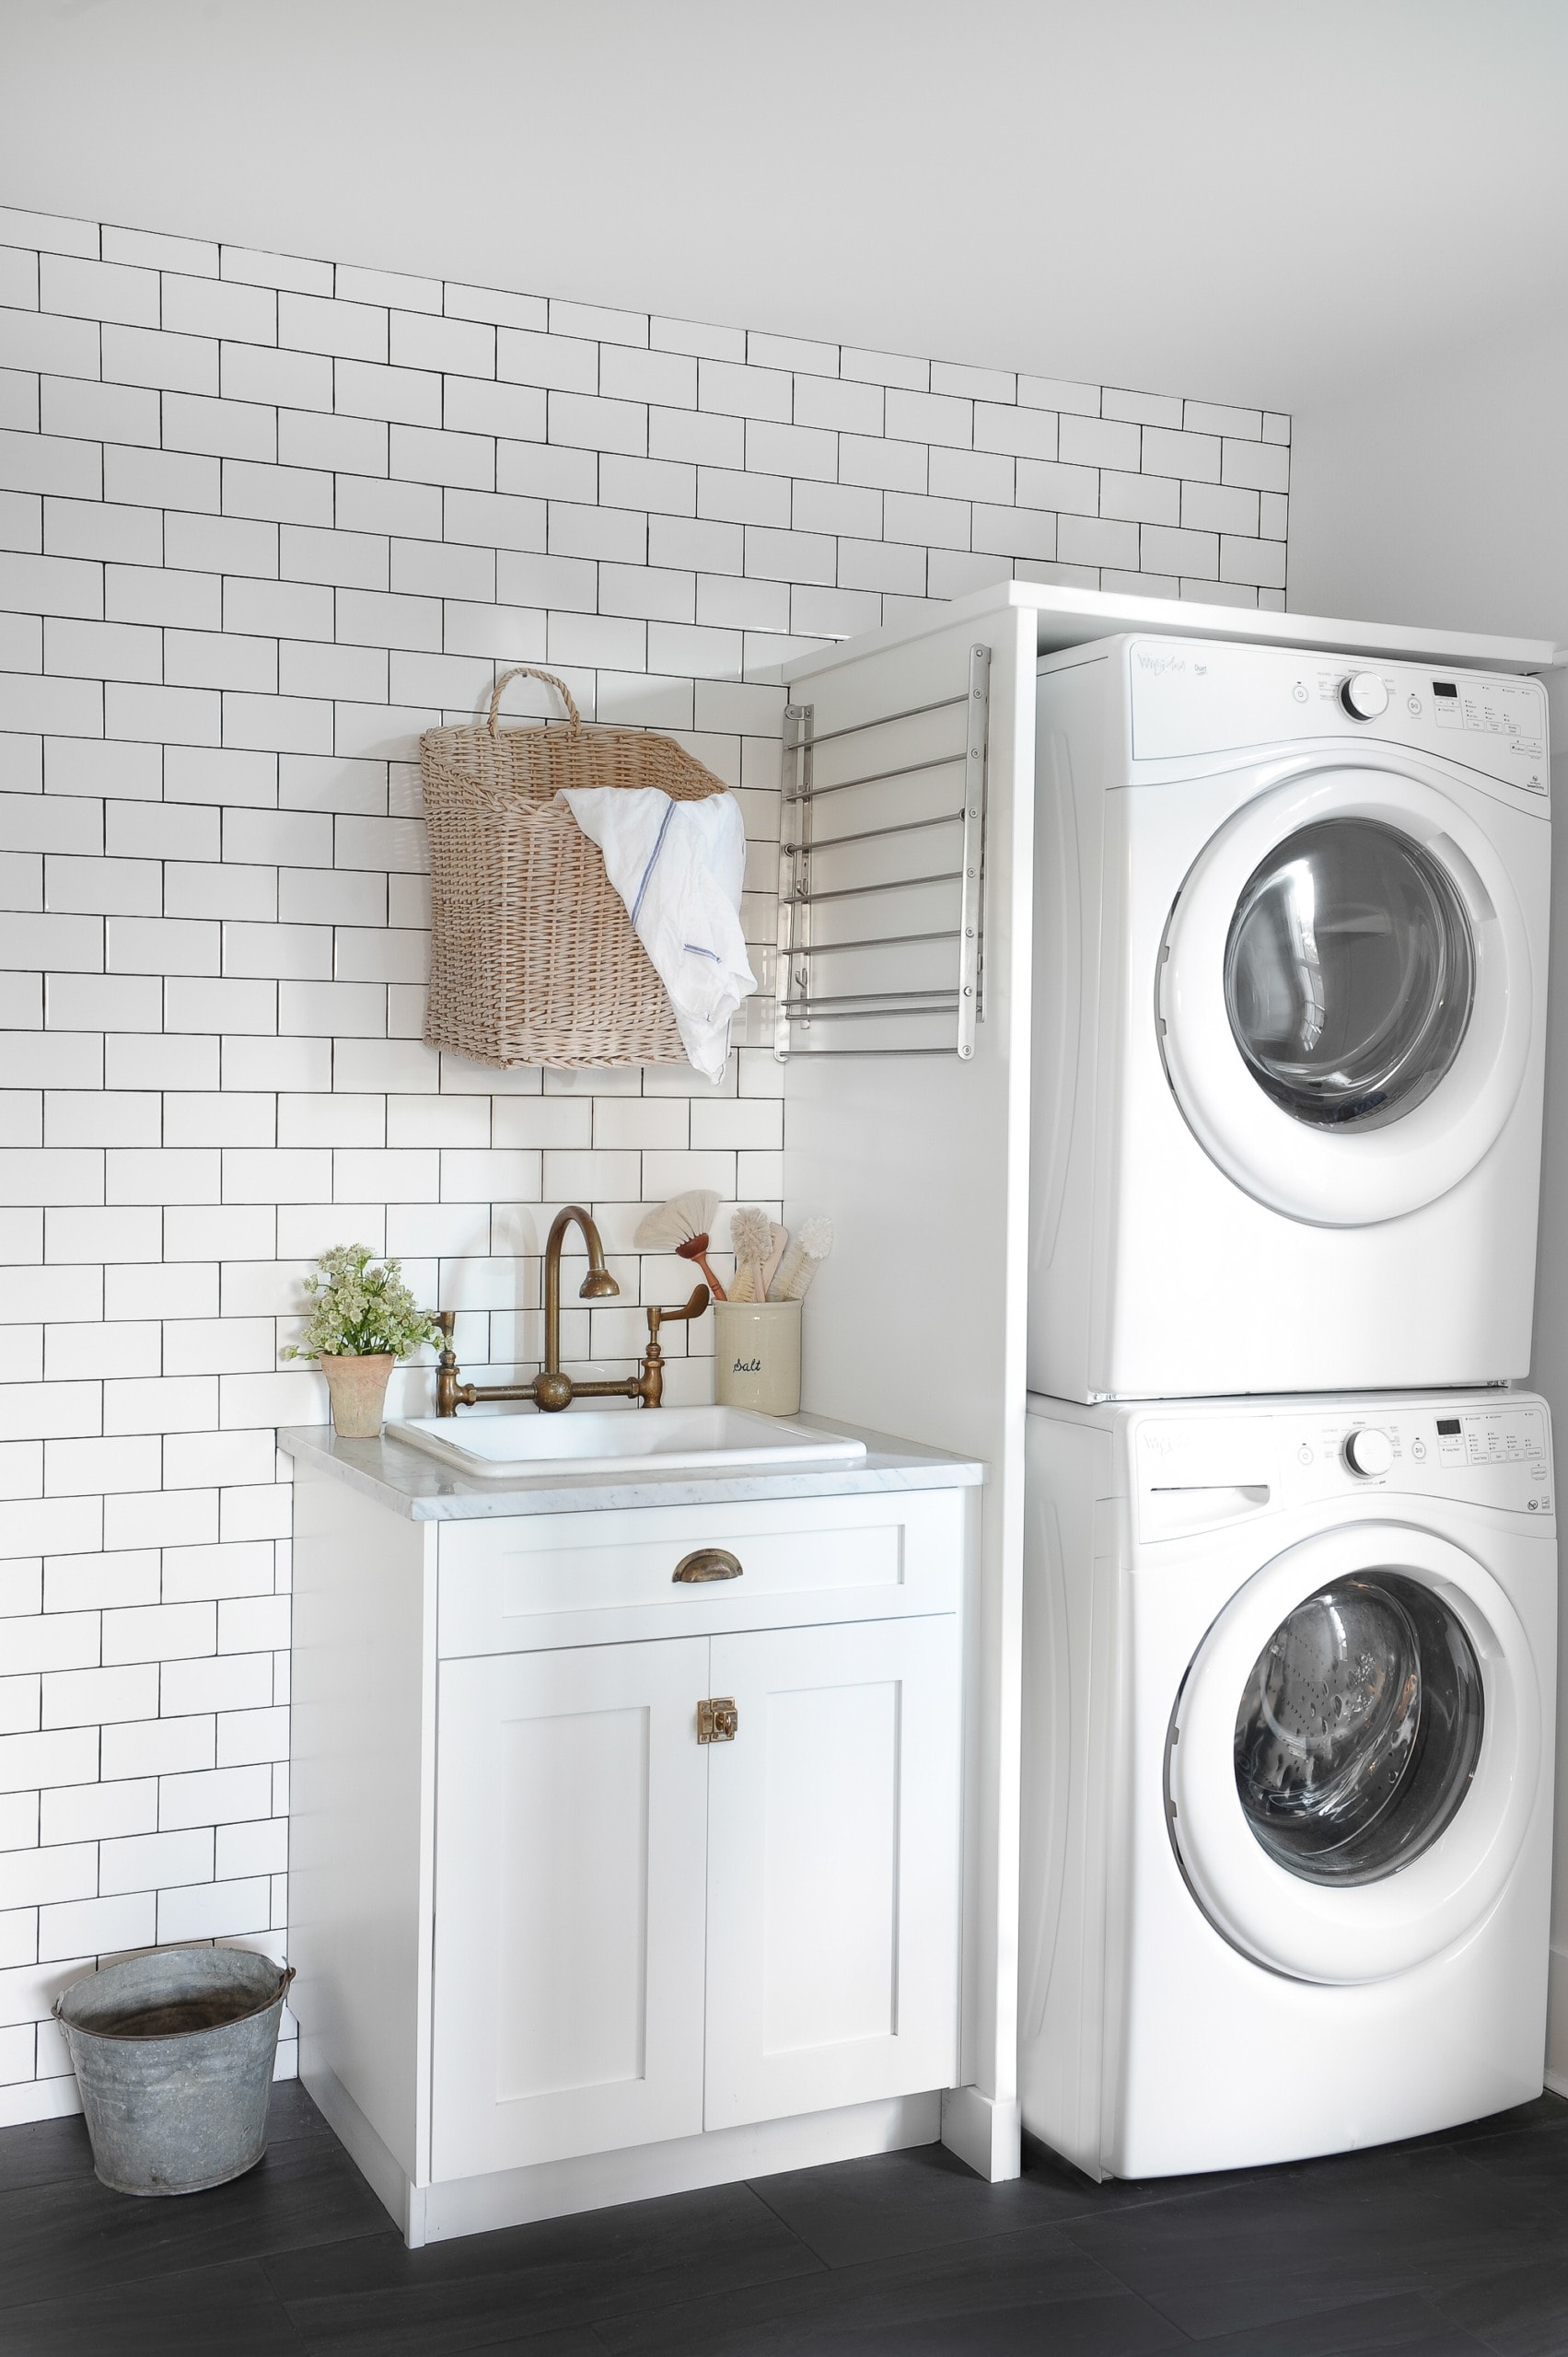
[1287, 1798]
[1289, 1661]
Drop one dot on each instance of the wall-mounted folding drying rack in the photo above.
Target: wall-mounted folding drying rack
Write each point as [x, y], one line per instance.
[881, 877]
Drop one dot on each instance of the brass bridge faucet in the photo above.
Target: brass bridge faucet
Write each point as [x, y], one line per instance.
[550, 1391]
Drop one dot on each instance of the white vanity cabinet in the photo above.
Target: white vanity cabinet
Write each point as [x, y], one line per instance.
[553, 1947]
[640, 1937]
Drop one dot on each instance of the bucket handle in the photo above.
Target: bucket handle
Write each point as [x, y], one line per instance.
[528, 671]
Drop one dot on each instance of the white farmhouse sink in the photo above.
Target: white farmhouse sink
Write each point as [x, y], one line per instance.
[596, 1441]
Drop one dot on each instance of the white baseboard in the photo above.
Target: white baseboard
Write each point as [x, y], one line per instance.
[1557, 2023]
[983, 2132]
[382, 2171]
[476, 2205]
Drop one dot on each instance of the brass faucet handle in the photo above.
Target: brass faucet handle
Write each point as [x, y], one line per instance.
[448, 1390]
[648, 1384]
[658, 1317]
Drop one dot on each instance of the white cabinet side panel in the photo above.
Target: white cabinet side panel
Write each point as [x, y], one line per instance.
[361, 1788]
[1068, 1759]
[923, 1164]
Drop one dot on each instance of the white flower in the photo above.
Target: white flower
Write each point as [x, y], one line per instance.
[358, 1310]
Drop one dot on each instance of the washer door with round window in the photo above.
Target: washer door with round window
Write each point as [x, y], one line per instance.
[1345, 996]
[1352, 1762]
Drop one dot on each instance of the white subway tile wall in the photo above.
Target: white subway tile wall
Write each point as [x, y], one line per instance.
[261, 521]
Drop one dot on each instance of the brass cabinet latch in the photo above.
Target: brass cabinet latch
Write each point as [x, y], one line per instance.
[708, 1563]
[717, 1719]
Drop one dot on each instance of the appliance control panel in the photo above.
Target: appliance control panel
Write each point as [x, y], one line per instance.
[1197, 1470]
[1191, 697]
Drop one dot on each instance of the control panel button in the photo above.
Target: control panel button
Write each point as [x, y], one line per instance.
[1304, 1454]
[1417, 1450]
[1368, 1452]
[1364, 695]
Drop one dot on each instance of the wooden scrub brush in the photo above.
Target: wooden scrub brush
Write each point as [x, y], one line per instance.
[800, 1263]
[683, 1225]
[752, 1241]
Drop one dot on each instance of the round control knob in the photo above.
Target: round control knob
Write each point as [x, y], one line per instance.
[1368, 1452]
[1364, 695]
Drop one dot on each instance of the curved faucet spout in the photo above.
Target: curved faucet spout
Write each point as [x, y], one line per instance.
[549, 1389]
[598, 1286]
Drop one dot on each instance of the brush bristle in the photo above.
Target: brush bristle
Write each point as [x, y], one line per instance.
[813, 1242]
[676, 1222]
[750, 1233]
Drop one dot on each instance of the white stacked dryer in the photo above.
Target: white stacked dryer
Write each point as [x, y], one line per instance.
[1289, 1022]
[1289, 1622]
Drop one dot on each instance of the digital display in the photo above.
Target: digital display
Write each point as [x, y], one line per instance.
[1443, 688]
[1448, 1427]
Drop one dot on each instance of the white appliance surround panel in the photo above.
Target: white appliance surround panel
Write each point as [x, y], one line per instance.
[966, 1124]
[555, 1949]
[1151, 2039]
[263, 518]
[1159, 1265]
[1064, 616]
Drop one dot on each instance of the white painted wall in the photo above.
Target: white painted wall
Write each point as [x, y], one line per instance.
[261, 521]
[1442, 497]
[1246, 202]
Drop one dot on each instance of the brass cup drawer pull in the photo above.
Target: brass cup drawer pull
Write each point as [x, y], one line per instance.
[718, 1719]
[708, 1563]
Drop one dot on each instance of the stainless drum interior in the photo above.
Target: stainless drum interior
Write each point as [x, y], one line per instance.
[1349, 973]
[1358, 1734]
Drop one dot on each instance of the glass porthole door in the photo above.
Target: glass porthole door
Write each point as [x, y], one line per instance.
[1349, 974]
[1358, 1732]
[1343, 1001]
[1352, 1762]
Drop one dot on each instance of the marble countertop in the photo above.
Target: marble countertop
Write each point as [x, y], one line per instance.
[408, 1482]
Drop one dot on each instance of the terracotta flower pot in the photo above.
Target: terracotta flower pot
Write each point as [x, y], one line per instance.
[358, 1389]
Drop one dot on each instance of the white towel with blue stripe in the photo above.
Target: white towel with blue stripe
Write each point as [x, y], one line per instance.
[678, 868]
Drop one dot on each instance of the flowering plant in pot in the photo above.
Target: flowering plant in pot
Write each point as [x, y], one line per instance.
[363, 1319]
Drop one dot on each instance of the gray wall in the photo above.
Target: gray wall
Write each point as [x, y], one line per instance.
[1442, 497]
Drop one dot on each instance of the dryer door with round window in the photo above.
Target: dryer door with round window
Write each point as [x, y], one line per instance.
[1352, 1760]
[1344, 997]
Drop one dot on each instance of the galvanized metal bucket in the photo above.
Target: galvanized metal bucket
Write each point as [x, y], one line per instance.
[174, 2052]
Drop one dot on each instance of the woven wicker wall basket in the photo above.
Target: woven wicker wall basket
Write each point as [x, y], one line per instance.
[532, 956]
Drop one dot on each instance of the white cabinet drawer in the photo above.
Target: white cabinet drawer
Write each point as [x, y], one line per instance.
[539, 1580]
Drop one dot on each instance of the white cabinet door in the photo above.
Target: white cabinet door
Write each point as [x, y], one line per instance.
[571, 1825]
[833, 1869]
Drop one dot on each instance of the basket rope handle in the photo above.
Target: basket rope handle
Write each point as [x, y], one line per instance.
[528, 671]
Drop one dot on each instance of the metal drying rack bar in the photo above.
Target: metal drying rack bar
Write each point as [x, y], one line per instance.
[916, 1018]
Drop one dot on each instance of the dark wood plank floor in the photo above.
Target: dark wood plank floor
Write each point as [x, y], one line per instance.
[1457, 2243]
